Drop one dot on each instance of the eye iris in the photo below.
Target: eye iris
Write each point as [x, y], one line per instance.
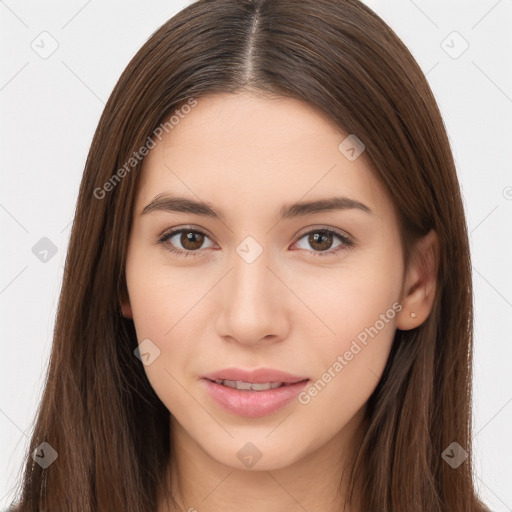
[191, 237]
[314, 239]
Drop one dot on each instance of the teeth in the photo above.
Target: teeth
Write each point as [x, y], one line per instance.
[263, 386]
[249, 386]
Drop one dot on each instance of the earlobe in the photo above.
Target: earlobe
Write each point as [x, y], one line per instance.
[124, 303]
[126, 310]
[420, 283]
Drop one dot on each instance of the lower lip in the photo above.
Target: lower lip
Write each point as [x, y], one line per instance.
[253, 404]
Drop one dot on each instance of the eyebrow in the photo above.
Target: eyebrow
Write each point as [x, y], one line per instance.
[172, 203]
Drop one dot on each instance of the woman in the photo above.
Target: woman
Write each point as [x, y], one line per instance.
[267, 298]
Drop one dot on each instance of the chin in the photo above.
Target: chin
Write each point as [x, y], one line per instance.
[255, 453]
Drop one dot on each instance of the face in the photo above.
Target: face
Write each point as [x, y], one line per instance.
[237, 285]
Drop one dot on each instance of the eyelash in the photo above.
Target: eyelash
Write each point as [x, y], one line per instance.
[347, 243]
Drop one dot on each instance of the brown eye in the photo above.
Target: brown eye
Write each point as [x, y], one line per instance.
[320, 242]
[184, 242]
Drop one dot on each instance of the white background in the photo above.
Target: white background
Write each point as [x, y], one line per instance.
[50, 109]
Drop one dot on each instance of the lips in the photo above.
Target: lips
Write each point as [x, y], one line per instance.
[253, 393]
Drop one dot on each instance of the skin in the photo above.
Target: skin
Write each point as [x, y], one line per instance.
[290, 309]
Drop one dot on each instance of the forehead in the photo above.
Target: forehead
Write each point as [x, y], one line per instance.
[242, 151]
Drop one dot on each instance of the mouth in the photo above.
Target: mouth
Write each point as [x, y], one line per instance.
[244, 379]
[271, 392]
[253, 386]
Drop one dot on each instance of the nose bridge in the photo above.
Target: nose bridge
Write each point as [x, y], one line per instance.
[251, 277]
[252, 304]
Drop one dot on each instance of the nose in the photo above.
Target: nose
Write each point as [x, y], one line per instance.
[256, 305]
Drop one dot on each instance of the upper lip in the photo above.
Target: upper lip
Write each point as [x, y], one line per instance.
[258, 376]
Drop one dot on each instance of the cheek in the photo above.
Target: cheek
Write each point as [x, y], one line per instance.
[160, 299]
[160, 295]
[348, 374]
[160, 306]
[358, 309]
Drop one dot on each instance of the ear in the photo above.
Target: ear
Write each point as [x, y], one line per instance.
[124, 302]
[420, 283]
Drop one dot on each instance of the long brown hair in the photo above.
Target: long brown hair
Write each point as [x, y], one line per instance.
[98, 410]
